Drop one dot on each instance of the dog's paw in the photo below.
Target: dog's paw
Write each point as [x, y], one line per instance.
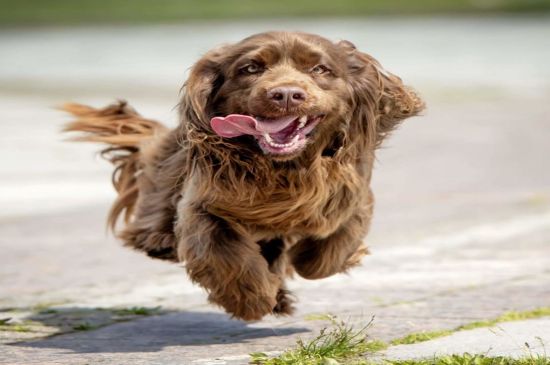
[355, 258]
[250, 298]
[250, 308]
[285, 301]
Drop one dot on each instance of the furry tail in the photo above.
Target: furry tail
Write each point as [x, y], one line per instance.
[123, 130]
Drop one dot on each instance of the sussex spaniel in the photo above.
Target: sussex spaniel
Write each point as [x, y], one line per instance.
[267, 173]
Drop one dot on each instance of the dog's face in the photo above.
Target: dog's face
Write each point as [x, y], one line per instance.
[282, 92]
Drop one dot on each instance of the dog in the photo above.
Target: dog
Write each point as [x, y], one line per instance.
[267, 173]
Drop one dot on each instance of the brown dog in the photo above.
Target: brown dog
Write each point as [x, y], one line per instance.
[268, 172]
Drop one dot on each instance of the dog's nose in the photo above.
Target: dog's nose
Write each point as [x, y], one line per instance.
[287, 96]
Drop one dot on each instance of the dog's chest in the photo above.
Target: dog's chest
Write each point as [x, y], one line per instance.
[314, 201]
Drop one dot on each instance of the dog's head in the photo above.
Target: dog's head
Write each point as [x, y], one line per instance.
[282, 93]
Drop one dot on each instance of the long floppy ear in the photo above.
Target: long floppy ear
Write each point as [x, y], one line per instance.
[205, 79]
[382, 101]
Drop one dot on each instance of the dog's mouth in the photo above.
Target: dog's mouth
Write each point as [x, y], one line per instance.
[280, 136]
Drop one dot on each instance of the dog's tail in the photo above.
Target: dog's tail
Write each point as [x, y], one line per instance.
[124, 131]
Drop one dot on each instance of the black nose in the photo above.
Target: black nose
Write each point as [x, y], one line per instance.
[287, 96]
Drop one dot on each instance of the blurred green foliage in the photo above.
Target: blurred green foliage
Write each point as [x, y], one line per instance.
[28, 12]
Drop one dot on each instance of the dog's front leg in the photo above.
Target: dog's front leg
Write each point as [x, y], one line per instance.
[317, 258]
[223, 259]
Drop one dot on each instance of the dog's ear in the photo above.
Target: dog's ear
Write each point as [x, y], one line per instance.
[205, 79]
[381, 99]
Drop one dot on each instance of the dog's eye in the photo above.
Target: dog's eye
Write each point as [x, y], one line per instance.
[251, 69]
[320, 69]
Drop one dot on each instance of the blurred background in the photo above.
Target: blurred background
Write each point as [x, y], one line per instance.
[473, 172]
[460, 54]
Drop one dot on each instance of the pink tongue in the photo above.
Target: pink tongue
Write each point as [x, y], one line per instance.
[235, 125]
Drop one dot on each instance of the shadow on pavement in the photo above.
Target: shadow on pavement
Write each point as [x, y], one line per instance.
[153, 333]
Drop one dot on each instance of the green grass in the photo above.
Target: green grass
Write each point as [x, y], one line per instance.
[341, 344]
[48, 311]
[83, 327]
[468, 359]
[46, 320]
[420, 337]
[6, 326]
[319, 317]
[15, 328]
[136, 311]
[506, 317]
[17, 12]
[376, 345]
[45, 306]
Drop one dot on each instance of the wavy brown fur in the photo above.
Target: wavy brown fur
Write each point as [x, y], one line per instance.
[123, 130]
[240, 219]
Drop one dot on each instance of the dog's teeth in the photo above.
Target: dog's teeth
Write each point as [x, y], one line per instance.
[303, 121]
[272, 143]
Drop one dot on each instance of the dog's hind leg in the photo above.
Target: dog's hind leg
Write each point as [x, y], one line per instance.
[151, 228]
[139, 148]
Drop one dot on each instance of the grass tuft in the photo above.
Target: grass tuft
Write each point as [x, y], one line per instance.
[48, 311]
[469, 359]
[420, 337]
[16, 327]
[506, 317]
[341, 344]
[20, 328]
[137, 311]
[376, 345]
[319, 317]
[83, 327]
